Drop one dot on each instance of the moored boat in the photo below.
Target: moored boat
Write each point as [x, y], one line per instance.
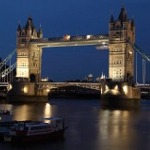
[5, 116]
[5, 122]
[33, 131]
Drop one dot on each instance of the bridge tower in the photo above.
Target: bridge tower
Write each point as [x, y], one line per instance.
[121, 53]
[28, 55]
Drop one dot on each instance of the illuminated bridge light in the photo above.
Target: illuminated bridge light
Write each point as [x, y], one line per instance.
[47, 90]
[25, 89]
[125, 89]
[106, 87]
[116, 87]
[66, 37]
[88, 37]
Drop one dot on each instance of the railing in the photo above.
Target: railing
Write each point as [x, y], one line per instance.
[50, 85]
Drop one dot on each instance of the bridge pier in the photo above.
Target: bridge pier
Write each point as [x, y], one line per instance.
[25, 91]
[120, 95]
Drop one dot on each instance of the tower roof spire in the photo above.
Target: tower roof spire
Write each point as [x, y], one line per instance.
[132, 22]
[40, 33]
[112, 19]
[29, 24]
[123, 15]
[19, 27]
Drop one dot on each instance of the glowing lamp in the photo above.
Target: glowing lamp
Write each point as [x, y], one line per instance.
[25, 89]
[125, 89]
[106, 87]
[47, 90]
[116, 87]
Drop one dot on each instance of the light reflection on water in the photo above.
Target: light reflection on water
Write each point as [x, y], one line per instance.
[90, 126]
[32, 111]
[115, 128]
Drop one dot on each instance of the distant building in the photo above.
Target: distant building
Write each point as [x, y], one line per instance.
[89, 78]
[103, 77]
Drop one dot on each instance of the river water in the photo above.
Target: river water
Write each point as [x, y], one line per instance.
[89, 126]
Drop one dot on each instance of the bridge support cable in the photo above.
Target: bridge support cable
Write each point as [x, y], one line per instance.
[11, 73]
[139, 50]
[7, 59]
[143, 70]
[144, 59]
[136, 68]
[8, 70]
[4, 70]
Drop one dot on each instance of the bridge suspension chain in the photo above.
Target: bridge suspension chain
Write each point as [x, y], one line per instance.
[7, 59]
[8, 70]
[139, 50]
[144, 59]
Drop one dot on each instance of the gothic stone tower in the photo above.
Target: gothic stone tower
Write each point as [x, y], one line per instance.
[121, 53]
[28, 55]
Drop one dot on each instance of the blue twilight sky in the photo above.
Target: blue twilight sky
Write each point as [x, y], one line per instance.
[75, 17]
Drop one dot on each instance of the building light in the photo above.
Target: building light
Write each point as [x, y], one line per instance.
[88, 37]
[9, 87]
[103, 43]
[3, 75]
[47, 90]
[116, 87]
[125, 89]
[115, 92]
[25, 89]
[101, 90]
[66, 37]
[130, 52]
[106, 87]
[45, 79]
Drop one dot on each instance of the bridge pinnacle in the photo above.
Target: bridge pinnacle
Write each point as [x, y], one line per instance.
[112, 19]
[19, 29]
[123, 15]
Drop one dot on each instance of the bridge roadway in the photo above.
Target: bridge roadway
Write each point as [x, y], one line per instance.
[50, 85]
[81, 84]
[101, 40]
[92, 85]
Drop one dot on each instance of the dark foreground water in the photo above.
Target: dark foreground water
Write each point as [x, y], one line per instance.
[90, 126]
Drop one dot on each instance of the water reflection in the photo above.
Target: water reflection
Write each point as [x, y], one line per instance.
[29, 111]
[47, 111]
[90, 126]
[118, 120]
[117, 129]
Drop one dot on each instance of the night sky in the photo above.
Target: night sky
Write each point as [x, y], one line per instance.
[74, 17]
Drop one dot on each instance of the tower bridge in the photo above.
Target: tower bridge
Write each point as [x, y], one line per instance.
[119, 41]
[121, 55]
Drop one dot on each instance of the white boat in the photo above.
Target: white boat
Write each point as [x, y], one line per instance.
[32, 131]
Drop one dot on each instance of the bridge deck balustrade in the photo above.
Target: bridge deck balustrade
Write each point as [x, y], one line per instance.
[50, 85]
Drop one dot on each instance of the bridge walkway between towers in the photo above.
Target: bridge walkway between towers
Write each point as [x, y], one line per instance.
[101, 40]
